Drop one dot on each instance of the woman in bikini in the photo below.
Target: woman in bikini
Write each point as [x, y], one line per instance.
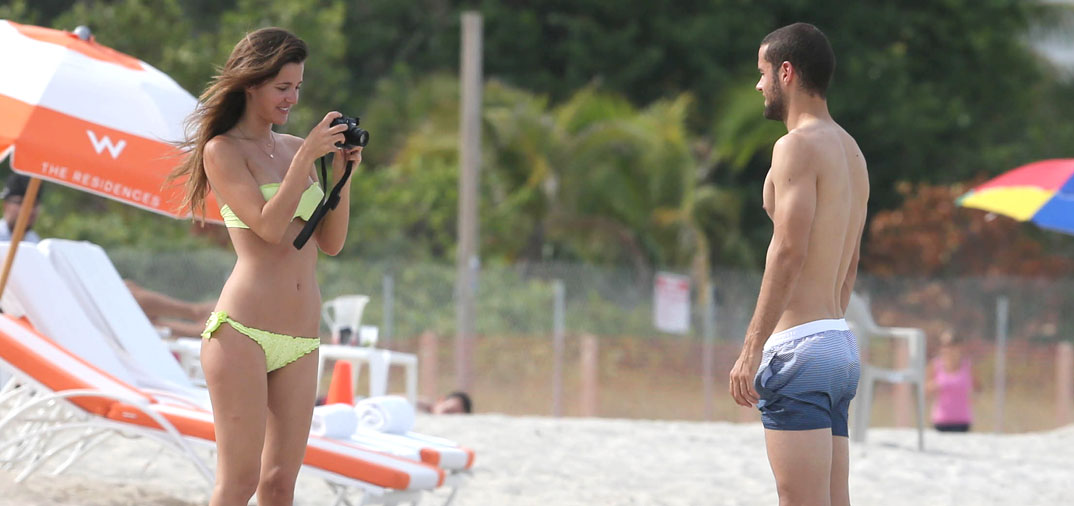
[259, 347]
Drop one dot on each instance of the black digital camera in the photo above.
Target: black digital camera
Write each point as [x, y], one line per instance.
[353, 136]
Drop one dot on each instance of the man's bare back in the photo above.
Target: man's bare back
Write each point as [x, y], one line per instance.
[842, 191]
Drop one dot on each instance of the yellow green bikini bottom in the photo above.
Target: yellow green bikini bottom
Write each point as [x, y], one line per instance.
[280, 349]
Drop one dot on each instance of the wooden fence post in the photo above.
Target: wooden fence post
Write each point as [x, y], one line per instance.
[1064, 383]
[590, 375]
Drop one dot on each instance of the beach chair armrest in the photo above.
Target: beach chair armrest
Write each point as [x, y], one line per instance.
[907, 333]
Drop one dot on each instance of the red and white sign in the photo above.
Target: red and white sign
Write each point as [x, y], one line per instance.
[671, 303]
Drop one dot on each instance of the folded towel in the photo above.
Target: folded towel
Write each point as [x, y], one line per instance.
[337, 421]
[386, 413]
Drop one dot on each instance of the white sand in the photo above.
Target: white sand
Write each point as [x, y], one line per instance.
[524, 461]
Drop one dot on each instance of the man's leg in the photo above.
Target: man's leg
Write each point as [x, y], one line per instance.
[841, 448]
[840, 486]
[801, 460]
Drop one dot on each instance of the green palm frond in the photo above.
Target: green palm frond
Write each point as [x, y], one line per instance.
[740, 129]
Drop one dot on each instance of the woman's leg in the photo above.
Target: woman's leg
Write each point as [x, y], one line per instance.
[234, 368]
[291, 393]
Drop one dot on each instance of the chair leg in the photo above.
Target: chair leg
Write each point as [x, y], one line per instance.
[863, 411]
[341, 494]
[920, 415]
[83, 447]
[451, 497]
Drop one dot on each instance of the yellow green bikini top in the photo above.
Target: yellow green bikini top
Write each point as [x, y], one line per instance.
[310, 198]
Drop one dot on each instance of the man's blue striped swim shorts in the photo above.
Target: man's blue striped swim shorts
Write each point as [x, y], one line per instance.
[807, 377]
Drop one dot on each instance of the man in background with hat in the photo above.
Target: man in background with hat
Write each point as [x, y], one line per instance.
[12, 195]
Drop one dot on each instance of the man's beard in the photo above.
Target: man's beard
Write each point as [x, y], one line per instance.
[776, 108]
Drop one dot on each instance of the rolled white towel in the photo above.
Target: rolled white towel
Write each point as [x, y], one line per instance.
[386, 413]
[336, 421]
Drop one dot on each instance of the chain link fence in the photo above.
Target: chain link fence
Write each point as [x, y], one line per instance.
[517, 300]
[515, 323]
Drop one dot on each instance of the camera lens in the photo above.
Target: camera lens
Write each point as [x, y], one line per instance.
[353, 136]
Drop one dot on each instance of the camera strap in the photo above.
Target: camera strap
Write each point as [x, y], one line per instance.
[328, 202]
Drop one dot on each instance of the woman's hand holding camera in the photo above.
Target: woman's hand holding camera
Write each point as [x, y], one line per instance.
[323, 138]
[331, 136]
[345, 154]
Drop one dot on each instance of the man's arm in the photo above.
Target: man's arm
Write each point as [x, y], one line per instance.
[794, 180]
[156, 305]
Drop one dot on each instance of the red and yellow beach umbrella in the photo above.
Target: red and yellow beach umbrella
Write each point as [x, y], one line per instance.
[1041, 192]
[80, 114]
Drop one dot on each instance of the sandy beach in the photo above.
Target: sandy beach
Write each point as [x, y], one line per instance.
[574, 461]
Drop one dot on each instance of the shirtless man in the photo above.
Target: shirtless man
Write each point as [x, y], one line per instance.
[799, 362]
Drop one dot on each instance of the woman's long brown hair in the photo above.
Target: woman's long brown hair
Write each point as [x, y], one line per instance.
[257, 58]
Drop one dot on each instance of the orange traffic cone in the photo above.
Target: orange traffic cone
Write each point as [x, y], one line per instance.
[341, 389]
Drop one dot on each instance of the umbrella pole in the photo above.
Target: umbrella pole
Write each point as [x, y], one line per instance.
[20, 228]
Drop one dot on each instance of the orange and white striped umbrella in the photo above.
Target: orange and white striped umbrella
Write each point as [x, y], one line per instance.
[83, 115]
[80, 114]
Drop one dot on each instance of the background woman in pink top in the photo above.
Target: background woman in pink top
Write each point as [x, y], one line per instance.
[951, 383]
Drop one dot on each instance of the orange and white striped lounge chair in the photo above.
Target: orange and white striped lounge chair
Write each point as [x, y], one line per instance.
[59, 406]
[105, 299]
[98, 288]
[37, 291]
[34, 289]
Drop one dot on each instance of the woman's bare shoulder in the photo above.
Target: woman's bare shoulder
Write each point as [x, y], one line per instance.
[292, 141]
[222, 145]
[223, 151]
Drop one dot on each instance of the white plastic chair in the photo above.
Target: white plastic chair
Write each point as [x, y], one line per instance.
[343, 315]
[860, 319]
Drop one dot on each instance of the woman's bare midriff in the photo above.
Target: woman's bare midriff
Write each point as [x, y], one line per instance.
[273, 287]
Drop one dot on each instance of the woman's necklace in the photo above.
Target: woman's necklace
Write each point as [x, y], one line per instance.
[271, 154]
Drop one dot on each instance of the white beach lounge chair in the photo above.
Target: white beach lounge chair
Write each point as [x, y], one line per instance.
[36, 291]
[100, 290]
[102, 293]
[107, 301]
[49, 299]
[59, 406]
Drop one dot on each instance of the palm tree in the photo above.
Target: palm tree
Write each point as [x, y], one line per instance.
[592, 179]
